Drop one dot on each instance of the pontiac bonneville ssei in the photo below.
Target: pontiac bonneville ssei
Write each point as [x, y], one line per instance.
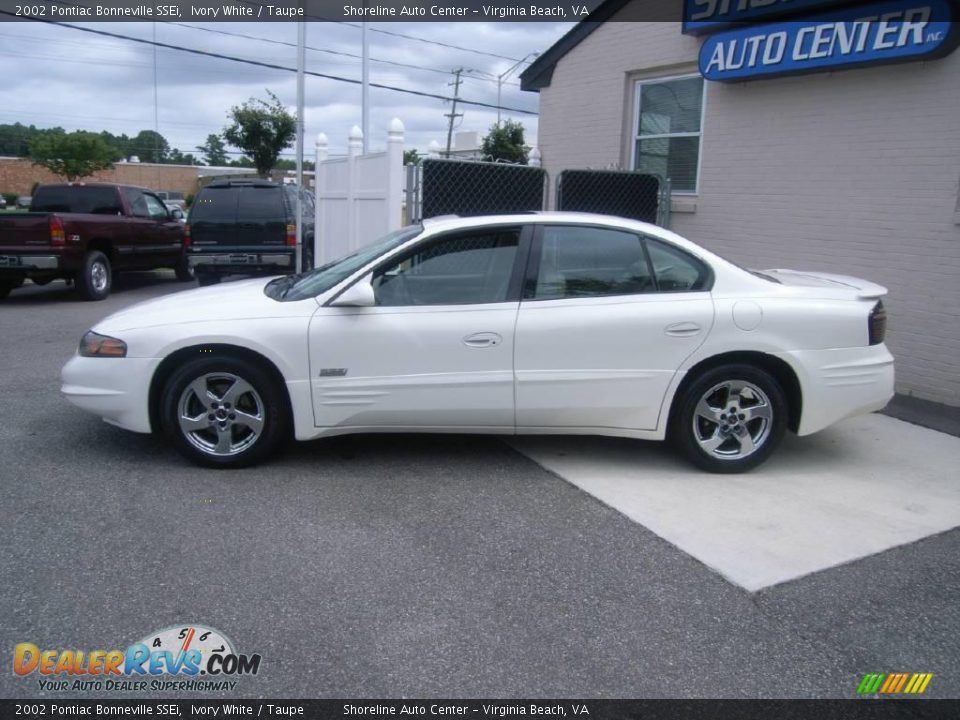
[543, 323]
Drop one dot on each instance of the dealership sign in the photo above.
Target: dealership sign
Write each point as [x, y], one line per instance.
[701, 16]
[879, 33]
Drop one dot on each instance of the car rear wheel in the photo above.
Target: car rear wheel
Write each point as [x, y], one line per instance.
[224, 412]
[95, 278]
[6, 286]
[730, 419]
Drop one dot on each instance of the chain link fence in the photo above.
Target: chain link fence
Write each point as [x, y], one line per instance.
[635, 195]
[439, 186]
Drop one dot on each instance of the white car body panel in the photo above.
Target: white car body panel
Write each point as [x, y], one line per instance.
[614, 370]
[413, 366]
[605, 365]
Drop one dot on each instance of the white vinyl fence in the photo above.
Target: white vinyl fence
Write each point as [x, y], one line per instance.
[359, 197]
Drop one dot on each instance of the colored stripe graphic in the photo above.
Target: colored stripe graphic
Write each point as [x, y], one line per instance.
[870, 683]
[894, 683]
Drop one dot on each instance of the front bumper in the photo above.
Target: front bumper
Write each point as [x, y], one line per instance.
[116, 389]
[841, 383]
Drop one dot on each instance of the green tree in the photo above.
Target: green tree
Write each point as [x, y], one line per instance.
[175, 157]
[73, 156]
[411, 157]
[150, 146]
[262, 130]
[214, 150]
[505, 142]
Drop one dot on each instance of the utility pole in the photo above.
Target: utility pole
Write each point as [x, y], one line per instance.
[365, 86]
[453, 114]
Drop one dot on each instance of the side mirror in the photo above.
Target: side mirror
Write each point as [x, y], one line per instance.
[360, 294]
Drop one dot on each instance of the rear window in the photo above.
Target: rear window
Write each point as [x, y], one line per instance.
[232, 204]
[76, 199]
[261, 203]
[216, 203]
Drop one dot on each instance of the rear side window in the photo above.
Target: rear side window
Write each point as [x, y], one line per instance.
[676, 271]
[216, 203]
[76, 199]
[591, 262]
[261, 203]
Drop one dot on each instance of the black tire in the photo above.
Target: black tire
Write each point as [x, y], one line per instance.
[95, 277]
[205, 278]
[183, 270]
[721, 441]
[308, 254]
[260, 397]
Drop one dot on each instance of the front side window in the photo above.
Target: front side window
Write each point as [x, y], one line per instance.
[668, 130]
[137, 203]
[157, 210]
[577, 262]
[467, 268]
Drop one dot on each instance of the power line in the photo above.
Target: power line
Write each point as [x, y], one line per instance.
[341, 53]
[323, 18]
[273, 66]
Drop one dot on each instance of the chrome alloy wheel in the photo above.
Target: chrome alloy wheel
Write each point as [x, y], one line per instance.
[732, 420]
[98, 276]
[220, 414]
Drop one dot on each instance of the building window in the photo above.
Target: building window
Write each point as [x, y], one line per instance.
[668, 125]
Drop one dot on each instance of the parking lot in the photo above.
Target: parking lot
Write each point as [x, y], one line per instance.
[459, 566]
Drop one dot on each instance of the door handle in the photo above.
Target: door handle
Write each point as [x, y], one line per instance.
[482, 340]
[682, 329]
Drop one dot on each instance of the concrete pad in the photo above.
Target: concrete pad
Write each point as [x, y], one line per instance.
[858, 488]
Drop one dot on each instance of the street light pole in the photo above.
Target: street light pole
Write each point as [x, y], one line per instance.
[505, 74]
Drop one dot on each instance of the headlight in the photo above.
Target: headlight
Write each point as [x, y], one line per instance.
[95, 345]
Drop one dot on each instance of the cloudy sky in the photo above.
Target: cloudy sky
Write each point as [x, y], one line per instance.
[55, 75]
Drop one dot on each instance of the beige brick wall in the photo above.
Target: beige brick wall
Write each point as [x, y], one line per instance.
[18, 176]
[853, 172]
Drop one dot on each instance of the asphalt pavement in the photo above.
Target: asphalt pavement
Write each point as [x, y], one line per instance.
[388, 566]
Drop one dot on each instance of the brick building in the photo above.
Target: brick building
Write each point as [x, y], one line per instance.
[17, 175]
[853, 171]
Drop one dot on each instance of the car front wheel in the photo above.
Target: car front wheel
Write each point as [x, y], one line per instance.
[224, 412]
[731, 418]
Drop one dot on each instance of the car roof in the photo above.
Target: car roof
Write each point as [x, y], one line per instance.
[540, 217]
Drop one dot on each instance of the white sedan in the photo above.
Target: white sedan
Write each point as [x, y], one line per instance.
[514, 324]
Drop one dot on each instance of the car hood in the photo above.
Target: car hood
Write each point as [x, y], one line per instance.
[855, 287]
[241, 300]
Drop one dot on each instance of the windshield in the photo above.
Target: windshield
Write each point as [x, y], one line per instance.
[313, 283]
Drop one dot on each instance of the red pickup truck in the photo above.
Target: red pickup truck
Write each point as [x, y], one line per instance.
[86, 232]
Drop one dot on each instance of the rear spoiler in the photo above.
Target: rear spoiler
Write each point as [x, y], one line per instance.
[866, 290]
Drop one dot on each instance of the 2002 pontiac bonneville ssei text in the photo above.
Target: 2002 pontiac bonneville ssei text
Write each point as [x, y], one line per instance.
[536, 323]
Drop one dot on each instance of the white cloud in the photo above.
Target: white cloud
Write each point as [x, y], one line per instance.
[58, 76]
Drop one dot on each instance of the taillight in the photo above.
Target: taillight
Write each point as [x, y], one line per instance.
[187, 237]
[877, 323]
[57, 236]
[291, 235]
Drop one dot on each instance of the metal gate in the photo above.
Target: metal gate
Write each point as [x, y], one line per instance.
[439, 186]
[636, 195]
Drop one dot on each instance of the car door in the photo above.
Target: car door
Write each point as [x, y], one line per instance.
[600, 333]
[165, 235]
[436, 351]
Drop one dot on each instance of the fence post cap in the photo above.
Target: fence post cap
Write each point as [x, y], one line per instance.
[535, 157]
[322, 140]
[356, 133]
[396, 127]
[434, 148]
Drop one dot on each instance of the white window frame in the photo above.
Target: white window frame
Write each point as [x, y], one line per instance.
[636, 136]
